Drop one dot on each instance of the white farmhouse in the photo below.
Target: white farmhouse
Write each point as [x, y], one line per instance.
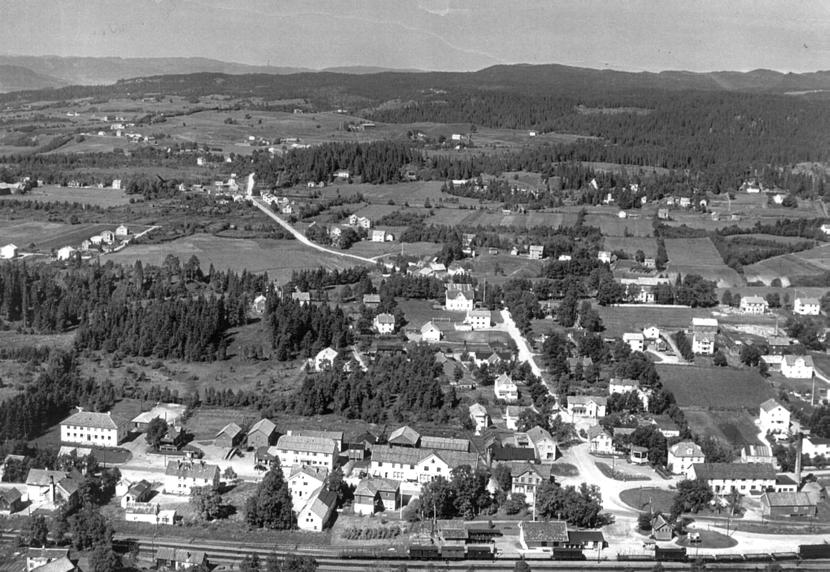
[807, 306]
[459, 297]
[774, 418]
[479, 319]
[797, 367]
[430, 333]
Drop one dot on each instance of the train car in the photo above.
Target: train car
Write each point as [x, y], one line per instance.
[424, 552]
[480, 552]
[814, 550]
[482, 535]
[453, 552]
[670, 554]
[568, 554]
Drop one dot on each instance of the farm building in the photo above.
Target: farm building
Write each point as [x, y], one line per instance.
[11, 501]
[404, 436]
[783, 505]
[797, 367]
[229, 436]
[263, 433]
[807, 306]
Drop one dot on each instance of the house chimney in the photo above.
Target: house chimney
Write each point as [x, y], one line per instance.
[51, 489]
[798, 460]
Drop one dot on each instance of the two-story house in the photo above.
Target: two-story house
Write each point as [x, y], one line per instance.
[93, 428]
[590, 406]
[682, 456]
[807, 306]
[527, 478]
[505, 389]
[181, 477]
[459, 298]
[480, 417]
[797, 367]
[745, 478]
[544, 443]
[384, 324]
[774, 418]
[754, 305]
[303, 481]
[599, 440]
[296, 450]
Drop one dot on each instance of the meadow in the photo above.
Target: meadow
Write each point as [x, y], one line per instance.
[621, 319]
[277, 257]
[715, 388]
[788, 267]
[699, 256]
[90, 196]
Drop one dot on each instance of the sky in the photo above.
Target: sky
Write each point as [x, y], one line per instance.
[450, 35]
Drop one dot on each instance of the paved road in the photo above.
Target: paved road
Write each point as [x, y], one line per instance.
[301, 237]
[524, 350]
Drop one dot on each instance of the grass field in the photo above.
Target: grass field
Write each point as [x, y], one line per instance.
[716, 388]
[613, 226]
[277, 257]
[498, 268]
[699, 256]
[53, 193]
[786, 267]
[48, 235]
[737, 428]
[494, 217]
[631, 244]
[619, 320]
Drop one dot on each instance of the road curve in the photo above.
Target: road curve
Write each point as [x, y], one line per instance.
[301, 237]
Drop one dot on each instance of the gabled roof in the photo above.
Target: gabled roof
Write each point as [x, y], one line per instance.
[788, 499]
[180, 554]
[91, 419]
[507, 454]
[504, 379]
[709, 471]
[686, 449]
[140, 488]
[372, 298]
[10, 495]
[306, 444]
[477, 410]
[370, 487]
[595, 431]
[538, 434]
[808, 301]
[231, 430]
[62, 564]
[429, 326]
[463, 290]
[321, 502]
[752, 300]
[334, 435]
[445, 443]
[44, 477]
[659, 521]
[585, 399]
[191, 470]
[770, 404]
[319, 473]
[405, 435]
[553, 531]
[265, 426]
[518, 470]
[585, 536]
[792, 360]
[385, 319]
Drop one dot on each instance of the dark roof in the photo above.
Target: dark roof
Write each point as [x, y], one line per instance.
[501, 453]
[553, 531]
[585, 536]
[708, 471]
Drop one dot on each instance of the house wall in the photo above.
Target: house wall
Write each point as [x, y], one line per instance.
[91, 435]
[290, 458]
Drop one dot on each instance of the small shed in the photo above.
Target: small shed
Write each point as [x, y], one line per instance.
[229, 436]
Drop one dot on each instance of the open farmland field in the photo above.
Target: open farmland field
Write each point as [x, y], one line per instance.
[789, 267]
[371, 249]
[621, 319]
[484, 217]
[48, 235]
[736, 428]
[498, 268]
[699, 256]
[631, 244]
[277, 257]
[612, 225]
[715, 388]
[413, 193]
[53, 193]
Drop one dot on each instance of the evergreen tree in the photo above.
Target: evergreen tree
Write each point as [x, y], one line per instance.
[270, 506]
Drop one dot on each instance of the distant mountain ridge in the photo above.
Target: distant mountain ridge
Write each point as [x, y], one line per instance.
[19, 73]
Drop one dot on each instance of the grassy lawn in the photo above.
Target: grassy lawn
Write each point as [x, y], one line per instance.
[53, 193]
[734, 427]
[716, 387]
[617, 474]
[563, 470]
[708, 539]
[647, 499]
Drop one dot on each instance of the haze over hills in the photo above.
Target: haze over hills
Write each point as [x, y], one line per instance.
[19, 73]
